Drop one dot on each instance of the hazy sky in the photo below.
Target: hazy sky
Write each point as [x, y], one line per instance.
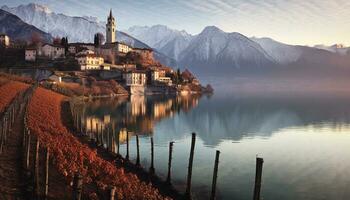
[291, 21]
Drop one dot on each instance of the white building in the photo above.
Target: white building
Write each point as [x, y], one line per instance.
[135, 78]
[4, 40]
[30, 54]
[124, 48]
[89, 61]
[158, 76]
[52, 51]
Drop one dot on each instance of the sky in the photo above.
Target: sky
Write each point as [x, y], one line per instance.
[304, 22]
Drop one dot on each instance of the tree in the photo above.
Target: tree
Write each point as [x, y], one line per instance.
[36, 39]
[57, 41]
[99, 39]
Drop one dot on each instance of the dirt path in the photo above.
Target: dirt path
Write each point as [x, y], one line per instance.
[11, 162]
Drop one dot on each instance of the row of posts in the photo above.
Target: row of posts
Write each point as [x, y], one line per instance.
[7, 120]
[100, 139]
[31, 168]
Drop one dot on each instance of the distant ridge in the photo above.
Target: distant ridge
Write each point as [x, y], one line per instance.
[18, 30]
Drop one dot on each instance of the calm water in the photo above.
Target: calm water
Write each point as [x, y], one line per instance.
[305, 141]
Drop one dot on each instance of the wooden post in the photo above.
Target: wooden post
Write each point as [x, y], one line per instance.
[168, 179]
[189, 173]
[36, 170]
[77, 186]
[112, 193]
[24, 136]
[127, 145]
[47, 159]
[97, 133]
[118, 142]
[108, 140]
[91, 129]
[215, 176]
[28, 151]
[138, 151]
[258, 175]
[101, 134]
[151, 169]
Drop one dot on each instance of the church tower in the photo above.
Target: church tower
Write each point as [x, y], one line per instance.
[110, 29]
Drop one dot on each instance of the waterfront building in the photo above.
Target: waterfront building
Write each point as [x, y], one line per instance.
[4, 40]
[30, 54]
[135, 78]
[52, 51]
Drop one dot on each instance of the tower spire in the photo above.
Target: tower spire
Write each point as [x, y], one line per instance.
[110, 13]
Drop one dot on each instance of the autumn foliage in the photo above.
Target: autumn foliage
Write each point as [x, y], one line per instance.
[71, 156]
[8, 92]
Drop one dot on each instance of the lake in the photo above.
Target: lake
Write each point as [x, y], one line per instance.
[304, 140]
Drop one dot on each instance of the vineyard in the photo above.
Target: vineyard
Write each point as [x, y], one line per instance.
[71, 157]
[8, 92]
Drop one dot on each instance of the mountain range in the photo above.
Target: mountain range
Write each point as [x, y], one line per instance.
[212, 50]
[77, 29]
[19, 30]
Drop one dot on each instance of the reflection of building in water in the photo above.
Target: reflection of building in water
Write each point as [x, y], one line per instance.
[136, 106]
[187, 102]
[122, 135]
[92, 122]
[162, 109]
[139, 115]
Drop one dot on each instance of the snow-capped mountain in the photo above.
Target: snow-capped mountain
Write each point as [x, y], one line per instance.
[336, 48]
[231, 50]
[168, 41]
[77, 29]
[281, 53]
[18, 30]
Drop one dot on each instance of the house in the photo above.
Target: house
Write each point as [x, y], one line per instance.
[124, 48]
[135, 78]
[52, 51]
[30, 54]
[4, 40]
[89, 61]
[158, 76]
[72, 49]
[144, 52]
[78, 46]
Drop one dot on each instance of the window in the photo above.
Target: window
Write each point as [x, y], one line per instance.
[109, 29]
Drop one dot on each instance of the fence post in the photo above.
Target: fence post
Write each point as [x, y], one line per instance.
[118, 142]
[112, 193]
[151, 169]
[168, 179]
[215, 176]
[28, 151]
[77, 186]
[36, 169]
[127, 145]
[97, 133]
[138, 151]
[47, 159]
[258, 174]
[190, 163]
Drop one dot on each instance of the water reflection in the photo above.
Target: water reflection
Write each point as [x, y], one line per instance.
[300, 138]
[136, 114]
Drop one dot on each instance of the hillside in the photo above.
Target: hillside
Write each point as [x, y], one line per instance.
[19, 30]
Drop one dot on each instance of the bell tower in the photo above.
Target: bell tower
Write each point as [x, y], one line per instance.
[110, 29]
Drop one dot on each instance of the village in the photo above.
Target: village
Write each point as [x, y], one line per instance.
[76, 66]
